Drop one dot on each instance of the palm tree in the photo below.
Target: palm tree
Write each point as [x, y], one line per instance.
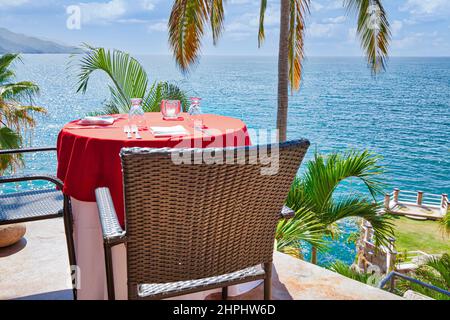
[129, 80]
[315, 193]
[189, 17]
[16, 111]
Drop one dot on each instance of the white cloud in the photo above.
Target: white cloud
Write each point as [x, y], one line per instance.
[396, 27]
[426, 7]
[113, 10]
[320, 30]
[159, 26]
[13, 3]
[351, 34]
[242, 1]
[247, 24]
[326, 5]
[336, 20]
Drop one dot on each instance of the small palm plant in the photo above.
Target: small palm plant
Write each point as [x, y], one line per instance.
[16, 111]
[314, 197]
[445, 224]
[129, 80]
[436, 271]
[347, 271]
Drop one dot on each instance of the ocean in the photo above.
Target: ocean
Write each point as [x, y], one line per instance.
[402, 114]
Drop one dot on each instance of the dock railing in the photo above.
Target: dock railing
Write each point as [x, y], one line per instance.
[419, 199]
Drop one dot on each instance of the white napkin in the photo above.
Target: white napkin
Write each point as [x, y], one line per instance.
[169, 131]
[98, 121]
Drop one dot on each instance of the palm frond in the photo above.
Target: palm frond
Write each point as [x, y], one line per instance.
[126, 73]
[262, 14]
[324, 174]
[352, 206]
[445, 223]
[9, 140]
[436, 271]
[7, 60]
[128, 80]
[373, 30]
[347, 271]
[299, 9]
[16, 114]
[19, 91]
[164, 91]
[6, 76]
[216, 16]
[304, 227]
[186, 29]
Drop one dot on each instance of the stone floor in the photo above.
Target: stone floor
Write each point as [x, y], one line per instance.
[36, 269]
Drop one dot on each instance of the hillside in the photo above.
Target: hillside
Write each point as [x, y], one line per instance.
[20, 43]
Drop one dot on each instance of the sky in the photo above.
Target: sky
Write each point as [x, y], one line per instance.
[419, 27]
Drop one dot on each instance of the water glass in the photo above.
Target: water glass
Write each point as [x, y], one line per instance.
[136, 116]
[195, 112]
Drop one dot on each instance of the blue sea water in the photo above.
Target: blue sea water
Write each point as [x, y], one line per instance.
[403, 114]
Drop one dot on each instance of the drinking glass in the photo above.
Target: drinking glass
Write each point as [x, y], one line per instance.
[171, 109]
[136, 116]
[195, 112]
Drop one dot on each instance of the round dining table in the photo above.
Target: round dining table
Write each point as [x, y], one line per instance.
[88, 158]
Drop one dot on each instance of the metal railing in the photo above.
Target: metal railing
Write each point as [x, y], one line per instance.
[391, 279]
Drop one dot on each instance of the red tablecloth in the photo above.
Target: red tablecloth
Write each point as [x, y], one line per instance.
[89, 158]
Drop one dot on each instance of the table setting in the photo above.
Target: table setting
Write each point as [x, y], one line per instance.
[88, 158]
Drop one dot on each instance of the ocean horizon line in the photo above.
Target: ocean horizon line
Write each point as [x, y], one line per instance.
[253, 55]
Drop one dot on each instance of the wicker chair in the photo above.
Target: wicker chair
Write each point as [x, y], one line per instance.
[194, 227]
[27, 206]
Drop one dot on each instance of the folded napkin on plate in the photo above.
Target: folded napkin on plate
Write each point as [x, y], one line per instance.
[98, 121]
[169, 131]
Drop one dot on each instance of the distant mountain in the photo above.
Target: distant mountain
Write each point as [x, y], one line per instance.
[20, 43]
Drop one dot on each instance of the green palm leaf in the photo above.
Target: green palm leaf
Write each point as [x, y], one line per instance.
[20, 91]
[216, 16]
[436, 271]
[6, 62]
[9, 140]
[126, 73]
[373, 30]
[186, 29]
[445, 223]
[16, 111]
[313, 194]
[261, 31]
[128, 80]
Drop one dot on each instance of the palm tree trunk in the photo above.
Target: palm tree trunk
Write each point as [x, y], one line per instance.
[283, 70]
[314, 255]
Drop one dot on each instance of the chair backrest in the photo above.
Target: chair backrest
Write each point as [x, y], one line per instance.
[192, 221]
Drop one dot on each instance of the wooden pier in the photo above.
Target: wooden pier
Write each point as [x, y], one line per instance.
[418, 205]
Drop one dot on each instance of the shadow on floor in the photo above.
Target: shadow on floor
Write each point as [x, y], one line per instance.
[56, 295]
[15, 248]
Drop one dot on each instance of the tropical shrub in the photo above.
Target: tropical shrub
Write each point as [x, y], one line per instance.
[436, 271]
[128, 80]
[347, 271]
[314, 197]
[16, 111]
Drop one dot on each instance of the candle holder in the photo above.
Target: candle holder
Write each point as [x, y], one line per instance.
[171, 109]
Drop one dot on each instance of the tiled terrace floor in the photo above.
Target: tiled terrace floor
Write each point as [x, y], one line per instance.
[36, 269]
